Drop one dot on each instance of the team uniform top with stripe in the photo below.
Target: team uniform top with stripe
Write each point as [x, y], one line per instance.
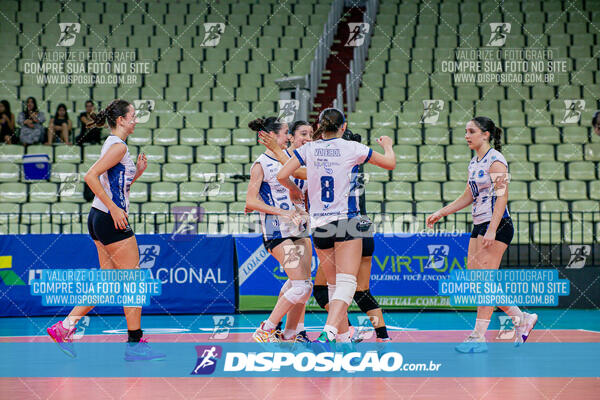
[275, 194]
[482, 190]
[301, 183]
[332, 171]
[117, 180]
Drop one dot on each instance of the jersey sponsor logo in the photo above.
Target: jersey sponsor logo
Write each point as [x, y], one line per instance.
[327, 152]
[480, 173]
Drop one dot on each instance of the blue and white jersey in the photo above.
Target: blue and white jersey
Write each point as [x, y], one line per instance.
[275, 194]
[482, 188]
[117, 180]
[332, 170]
[301, 183]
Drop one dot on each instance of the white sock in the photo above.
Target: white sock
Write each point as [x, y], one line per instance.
[300, 327]
[268, 325]
[515, 313]
[481, 326]
[67, 324]
[331, 331]
[289, 333]
[344, 337]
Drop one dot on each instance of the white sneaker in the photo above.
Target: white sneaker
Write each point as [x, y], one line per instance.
[524, 328]
[472, 344]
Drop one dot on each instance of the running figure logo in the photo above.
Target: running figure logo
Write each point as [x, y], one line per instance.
[507, 327]
[68, 33]
[288, 110]
[143, 108]
[186, 221]
[431, 111]
[500, 31]
[223, 324]
[212, 34]
[365, 326]
[573, 110]
[358, 32]
[579, 254]
[292, 255]
[68, 185]
[207, 359]
[148, 255]
[437, 255]
[500, 181]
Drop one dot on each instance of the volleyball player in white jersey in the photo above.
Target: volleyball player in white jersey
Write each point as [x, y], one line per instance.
[110, 178]
[300, 132]
[331, 166]
[284, 232]
[487, 191]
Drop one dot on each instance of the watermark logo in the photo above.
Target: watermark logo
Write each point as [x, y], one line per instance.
[507, 327]
[573, 110]
[500, 31]
[222, 326]
[579, 254]
[82, 325]
[437, 255]
[212, 34]
[143, 109]
[207, 359]
[500, 180]
[292, 255]
[288, 110]
[68, 184]
[358, 32]
[431, 111]
[68, 33]
[186, 221]
[148, 255]
[365, 326]
[358, 183]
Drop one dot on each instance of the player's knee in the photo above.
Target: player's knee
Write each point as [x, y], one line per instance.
[321, 296]
[299, 292]
[345, 288]
[286, 286]
[365, 300]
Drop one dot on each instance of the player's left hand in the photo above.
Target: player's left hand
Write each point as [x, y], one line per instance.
[142, 163]
[268, 140]
[488, 238]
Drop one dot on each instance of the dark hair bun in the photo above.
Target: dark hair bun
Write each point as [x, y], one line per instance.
[257, 125]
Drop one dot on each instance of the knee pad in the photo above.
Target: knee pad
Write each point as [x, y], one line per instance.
[330, 290]
[345, 288]
[299, 292]
[286, 286]
[365, 301]
[320, 293]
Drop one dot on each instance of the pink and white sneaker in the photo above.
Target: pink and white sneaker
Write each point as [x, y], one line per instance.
[525, 327]
[63, 337]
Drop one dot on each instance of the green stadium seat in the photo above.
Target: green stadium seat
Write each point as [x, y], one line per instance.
[138, 193]
[541, 152]
[35, 213]
[514, 152]
[71, 193]
[432, 171]
[374, 191]
[180, 154]
[11, 153]
[218, 137]
[547, 232]
[192, 191]
[376, 173]
[436, 136]
[458, 171]
[214, 207]
[429, 207]
[522, 171]
[575, 134]
[237, 207]
[91, 153]
[44, 228]
[457, 152]
[241, 189]
[572, 190]
[453, 190]
[163, 192]
[65, 213]
[9, 172]
[75, 227]
[556, 210]
[543, 190]
[197, 121]
[165, 136]
[41, 149]
[398, 191]
[61, 172]
[517, 190]
[156, 213]
[67, 154]
[398, 207]
[547, 135]
[230, 171]
[43, 192]
[425, 191]
[208, 154]
[586, 210]
[579, 232]
[524, 210]
[151, 174]
[191, 137]
[582, 170]
[592, 151]
[429, 153]
[175, 172]
[406, 172]
[569, 152]
[202, 172]
[225, 193]
[236, 154]
[154, 154]
[522, 234]
[406, 153]
[551, 171]
[244, 137]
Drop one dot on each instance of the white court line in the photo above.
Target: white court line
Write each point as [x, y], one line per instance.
[588, 330]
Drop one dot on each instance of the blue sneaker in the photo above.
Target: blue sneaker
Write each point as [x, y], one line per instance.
[323, 344]
[142, 352]
[472, 344]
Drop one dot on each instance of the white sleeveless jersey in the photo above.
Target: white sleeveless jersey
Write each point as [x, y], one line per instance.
[275, 194]
[332, 170]
[482, 188]
[301, 183]
[117, 180]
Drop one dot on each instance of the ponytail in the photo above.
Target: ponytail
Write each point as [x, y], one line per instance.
[497, 136]
[270, 124]
[117, 108]
[330, 120]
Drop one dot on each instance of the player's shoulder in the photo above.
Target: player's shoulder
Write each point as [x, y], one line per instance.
[495, 155]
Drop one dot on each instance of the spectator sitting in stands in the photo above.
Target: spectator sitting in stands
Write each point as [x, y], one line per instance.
[88, 135]
[7, 123]
[60, 123]
[31, 120]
